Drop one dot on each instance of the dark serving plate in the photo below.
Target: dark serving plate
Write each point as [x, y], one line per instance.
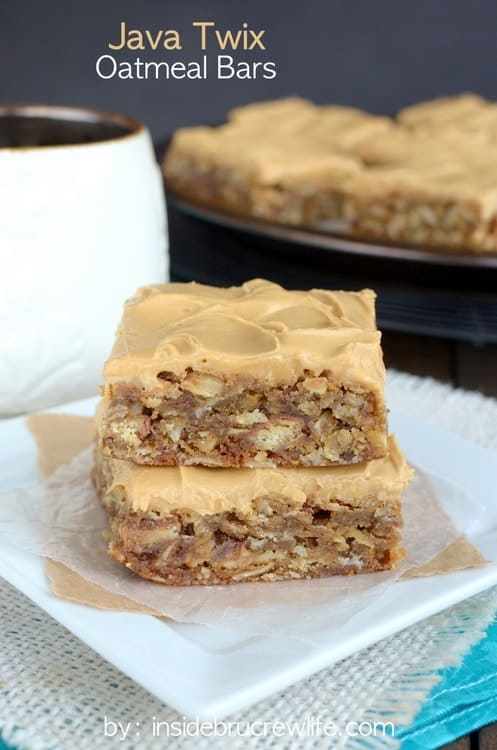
[419, 291]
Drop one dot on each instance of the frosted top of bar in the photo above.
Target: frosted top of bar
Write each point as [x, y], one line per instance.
[444, 111]
[208, 490]
[440, 180]
[258, 138]
[264, 156]
[258, 331]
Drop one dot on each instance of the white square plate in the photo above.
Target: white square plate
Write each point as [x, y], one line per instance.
[211, 673]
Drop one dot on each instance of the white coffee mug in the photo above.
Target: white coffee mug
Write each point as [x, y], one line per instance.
[82, 225]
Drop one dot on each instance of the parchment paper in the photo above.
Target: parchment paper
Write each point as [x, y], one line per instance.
[65, 522]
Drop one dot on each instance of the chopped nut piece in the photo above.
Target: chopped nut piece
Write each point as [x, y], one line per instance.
[316, 385]
[203, 385]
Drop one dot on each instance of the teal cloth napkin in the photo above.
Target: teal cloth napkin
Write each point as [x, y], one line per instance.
[465, 699]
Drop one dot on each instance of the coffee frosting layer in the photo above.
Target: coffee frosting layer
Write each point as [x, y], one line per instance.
[207, 490]
[258, 330]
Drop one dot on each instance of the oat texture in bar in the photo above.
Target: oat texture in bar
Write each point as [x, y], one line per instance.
[280, 177]
[190, 525]
[254, 376]
[283, 161]
[426, 197]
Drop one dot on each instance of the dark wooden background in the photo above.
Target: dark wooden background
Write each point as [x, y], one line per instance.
[461, 364]
[485, 739]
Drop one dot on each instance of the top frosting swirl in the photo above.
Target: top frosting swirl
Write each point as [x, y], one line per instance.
[258, 329]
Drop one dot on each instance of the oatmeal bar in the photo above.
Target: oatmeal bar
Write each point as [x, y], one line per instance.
[288, 113]
[444, 112]
[342, 129]
[189, 525]
[279, 176]
[433, 200]
[468, 115]
[334, 128]
[283, 161]
[400, 147]
[246, 376]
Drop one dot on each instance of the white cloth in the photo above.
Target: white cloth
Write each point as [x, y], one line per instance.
[55, 691]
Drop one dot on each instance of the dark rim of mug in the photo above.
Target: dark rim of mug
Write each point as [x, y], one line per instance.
[72, 114]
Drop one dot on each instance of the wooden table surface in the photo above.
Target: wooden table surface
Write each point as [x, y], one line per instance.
[484, 739]
[461, 364]
[464, 366]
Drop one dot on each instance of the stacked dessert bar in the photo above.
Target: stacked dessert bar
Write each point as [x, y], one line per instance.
[242, 436]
